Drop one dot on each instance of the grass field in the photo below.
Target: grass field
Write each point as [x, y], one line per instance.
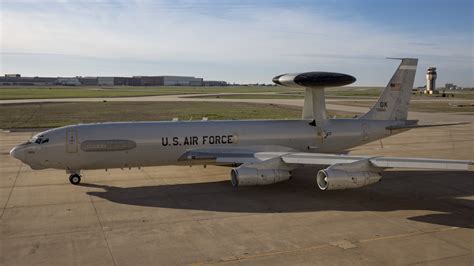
[48, 115]
[33, 92]
[252, 92]
[354, 91]
[59, 114]
[30, 92]
[359, 92]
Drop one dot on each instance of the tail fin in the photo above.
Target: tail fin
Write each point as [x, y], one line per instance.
[394, 101]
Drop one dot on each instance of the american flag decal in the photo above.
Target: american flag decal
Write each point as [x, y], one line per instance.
[395, 86]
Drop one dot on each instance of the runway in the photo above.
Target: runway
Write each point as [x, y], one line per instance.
[191, 215]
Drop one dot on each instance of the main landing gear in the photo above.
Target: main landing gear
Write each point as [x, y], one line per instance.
[75, 178]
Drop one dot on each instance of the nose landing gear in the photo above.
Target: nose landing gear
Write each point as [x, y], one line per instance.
[75, 177]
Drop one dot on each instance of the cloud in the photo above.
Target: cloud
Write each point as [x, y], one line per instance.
[213, 33]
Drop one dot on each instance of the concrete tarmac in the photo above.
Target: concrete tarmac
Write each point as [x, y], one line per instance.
[191, 215]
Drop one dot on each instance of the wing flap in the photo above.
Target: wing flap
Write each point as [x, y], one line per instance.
[319, 158]
[422, 163]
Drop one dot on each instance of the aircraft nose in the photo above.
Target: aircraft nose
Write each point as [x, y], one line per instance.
[17, 153]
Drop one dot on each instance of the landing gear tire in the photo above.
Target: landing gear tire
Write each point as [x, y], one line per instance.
[75, 179]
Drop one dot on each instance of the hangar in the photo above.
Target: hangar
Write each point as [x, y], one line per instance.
[151, 81]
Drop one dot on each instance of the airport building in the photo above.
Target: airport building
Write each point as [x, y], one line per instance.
[110, 81]
[119, 81]
[209, 83]
[150, 81]
[88, 81]
[17, 79]
[181, 81]
[68, 81]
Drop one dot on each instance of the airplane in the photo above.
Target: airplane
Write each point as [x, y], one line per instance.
[260, 152]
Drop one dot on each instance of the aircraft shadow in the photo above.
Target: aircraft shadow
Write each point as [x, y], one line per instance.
[444, 192]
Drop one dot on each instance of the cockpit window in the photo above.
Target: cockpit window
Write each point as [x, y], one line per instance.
[41, 140]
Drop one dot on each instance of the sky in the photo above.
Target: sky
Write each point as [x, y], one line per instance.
[238, 41]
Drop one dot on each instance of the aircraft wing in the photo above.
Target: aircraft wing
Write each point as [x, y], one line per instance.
[295, 160]
[381, 162]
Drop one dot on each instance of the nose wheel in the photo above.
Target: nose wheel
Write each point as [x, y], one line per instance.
[75, 179]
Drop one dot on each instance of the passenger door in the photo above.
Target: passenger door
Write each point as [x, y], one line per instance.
[71, 141]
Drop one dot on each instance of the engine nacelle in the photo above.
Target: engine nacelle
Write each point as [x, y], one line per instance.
[250, 176]
[334, 179]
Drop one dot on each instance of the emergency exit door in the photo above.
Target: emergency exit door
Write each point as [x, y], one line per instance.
[365, 131]
[71, 141]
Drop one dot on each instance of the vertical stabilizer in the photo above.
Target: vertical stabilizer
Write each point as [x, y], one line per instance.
[394, 101]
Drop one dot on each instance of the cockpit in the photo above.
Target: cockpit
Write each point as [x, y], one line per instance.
[34, 152]
[38, 139]
[41, 140]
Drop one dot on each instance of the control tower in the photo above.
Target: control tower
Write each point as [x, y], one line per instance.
[430, 80]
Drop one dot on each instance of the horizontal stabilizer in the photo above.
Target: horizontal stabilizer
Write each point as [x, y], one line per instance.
[425, 125]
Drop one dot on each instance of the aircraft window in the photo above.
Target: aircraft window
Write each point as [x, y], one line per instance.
[41, 140]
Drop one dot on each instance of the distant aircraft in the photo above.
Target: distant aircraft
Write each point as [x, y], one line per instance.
[261, 152]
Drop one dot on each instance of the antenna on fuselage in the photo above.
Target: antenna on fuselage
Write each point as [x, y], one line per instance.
[314, 83]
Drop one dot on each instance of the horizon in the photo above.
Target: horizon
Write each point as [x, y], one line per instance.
[238, 41]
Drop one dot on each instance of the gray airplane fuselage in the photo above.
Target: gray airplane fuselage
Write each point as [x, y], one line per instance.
[137, 144]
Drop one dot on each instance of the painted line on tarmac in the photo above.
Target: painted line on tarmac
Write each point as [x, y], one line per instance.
[11, 191]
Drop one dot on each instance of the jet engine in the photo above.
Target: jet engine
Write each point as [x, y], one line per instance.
[250, 176]
[335, 179]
